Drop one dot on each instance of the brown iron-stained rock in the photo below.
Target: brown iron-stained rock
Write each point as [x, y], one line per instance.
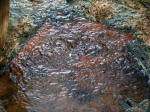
[79, 64]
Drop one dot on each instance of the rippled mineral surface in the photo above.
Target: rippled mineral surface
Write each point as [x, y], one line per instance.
[69, 65]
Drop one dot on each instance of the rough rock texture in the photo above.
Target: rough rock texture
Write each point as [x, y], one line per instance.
[76, 66]
[127, 15]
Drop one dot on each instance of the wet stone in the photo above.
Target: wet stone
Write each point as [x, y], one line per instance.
[131, 106]
[73, 67]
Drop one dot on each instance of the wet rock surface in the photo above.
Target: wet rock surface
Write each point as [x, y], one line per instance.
[26, 17]
[131, 106]
[79, 66]
[71, 64]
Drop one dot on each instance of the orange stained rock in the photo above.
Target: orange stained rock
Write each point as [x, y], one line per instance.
[37, 0]
[64, 54]
[4, 85]
[88, 61]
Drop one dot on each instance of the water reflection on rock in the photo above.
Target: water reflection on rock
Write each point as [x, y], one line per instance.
[76, 67]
